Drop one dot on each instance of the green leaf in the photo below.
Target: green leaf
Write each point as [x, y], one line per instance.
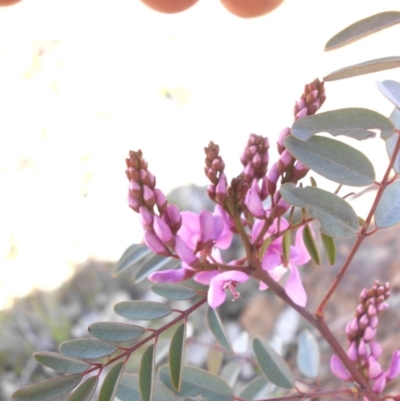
[286, 246]
[272, 364]
[85, 390]
[87, 348]
[142, 310]
[337, 217]
[198, 382]
[256, 389]
[391, 142]
[216, 327]
[311, 245]
[115, 332]
[362, 28]
[388, 211]
[333, 160]
[356, 123]
[329, 248]
[391, 90]
[61, 363]
[131, 257]
[111, 382]
[308, 356]
[48, 390]
[177, 355]
[173, 291]
[366, 67]
[152, 264]
[128, 390]
[264, 247]
[214, 360]
[230, 372]
[146, 374]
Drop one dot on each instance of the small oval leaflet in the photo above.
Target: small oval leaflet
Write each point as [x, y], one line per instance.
[390, 89]
[128, 390]
[87, 348]
[357, 123]
[173, 291]
[115, 332]
[48, 390]
[176, 355]
[198, 382]
[272, 364]
[146, 374]
[61, 363]
[362, 28]
[133, 255]
[308, 356]
[230, 372]
[311, 245]
[111, 381]
[152, 264]
[142, 310]
[337, 217]
[329, 248]
[332, 159]
[216, 327]
[256, 389]
[85, 390]
[388, 211]
[391, 142]
[366, 67]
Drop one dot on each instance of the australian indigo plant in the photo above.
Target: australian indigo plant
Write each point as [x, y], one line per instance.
[270, 210]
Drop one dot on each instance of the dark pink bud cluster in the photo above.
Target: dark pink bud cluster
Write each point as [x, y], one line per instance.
[255, 158]
[311, 100]
[214, 170]
[363, 349]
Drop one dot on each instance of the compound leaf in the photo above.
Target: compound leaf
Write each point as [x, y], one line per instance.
[61, 363]
[272, 364]
[362, 28]
[48, 390]
[332, 159]
[111, 382]
[142, 310]
[366, 67]
[356, 123]
[216, 327]
[337, 217]
[115, 332]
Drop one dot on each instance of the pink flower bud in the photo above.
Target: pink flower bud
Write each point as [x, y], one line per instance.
[221, 189]
[369, 334]
[173, 217]
[352, 352]
[172, 276]
[133, 202]
[148, 197]
[185, 253]
[163, 231]
[254, 204]
[394, 368]
[154, 243]
[363, 321]
[146, 217]
[302, 113]
[379, 384]
[284, 133]
[161, 200]
[338, 369]
[374, 368]
[376, 349]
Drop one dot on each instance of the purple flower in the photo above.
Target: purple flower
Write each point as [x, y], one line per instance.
[219, 282]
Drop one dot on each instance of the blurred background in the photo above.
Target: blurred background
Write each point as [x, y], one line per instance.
[84, 81]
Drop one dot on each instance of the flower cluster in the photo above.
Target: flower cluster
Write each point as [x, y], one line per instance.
[363, 349]
[250, 206]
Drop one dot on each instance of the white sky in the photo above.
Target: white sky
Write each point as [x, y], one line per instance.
[69, 118]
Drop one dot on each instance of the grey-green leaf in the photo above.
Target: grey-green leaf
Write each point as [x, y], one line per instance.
[272, 364]
[356, 123]
[311, 245]
[308, 355]
[115, 332]
[48, 390]
[85, 390]
[216, 327]
[61, 363]
[329, 248]
[142, 310]
[128, 390]
[198, 382]
[362, 28]
[173, 291]
[388, 211]
[366, 67]
[111, 382]
[176, 355]
[87, 348]
[256, 389]
[337, 217]
[390, 89]
[333, 160]
[133, 255]
[230, 372]
[152, 264]
[391, 142]
[146, 374]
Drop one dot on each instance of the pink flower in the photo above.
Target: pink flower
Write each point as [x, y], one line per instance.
[219, 282]
[338, 369]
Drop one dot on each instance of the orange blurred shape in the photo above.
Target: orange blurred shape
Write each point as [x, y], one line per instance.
[169, 6]
[250, 8]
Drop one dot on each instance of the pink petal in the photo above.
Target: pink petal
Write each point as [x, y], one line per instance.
[190, 229]
[163, 231]
[394, 368]
[205, 277]
[154, 243]
[338, 369]
[206, 221]
[216, 293]
[254, 204]
[171, 276]
[271, 259]
[232, 275]
[379, 384]
[374, 368]
[294, 287]
[184, 252]
[303, 255]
